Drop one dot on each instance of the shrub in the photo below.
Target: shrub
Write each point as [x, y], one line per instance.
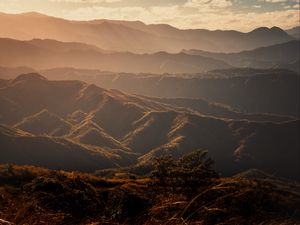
[188, 172]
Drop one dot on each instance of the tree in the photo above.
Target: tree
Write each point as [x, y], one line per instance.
[188, 172]
[162, 168]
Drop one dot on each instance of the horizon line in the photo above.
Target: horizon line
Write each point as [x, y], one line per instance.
[139, 21]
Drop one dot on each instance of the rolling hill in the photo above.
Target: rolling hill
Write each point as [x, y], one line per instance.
[21, 148]
[107, 128]
[285, 55]
[45, 123]
[45, 54]
[239, 143]
[294, 32]
[135, 36]
[221, 111]
[90, 133]
[273, 91]
[12, 72]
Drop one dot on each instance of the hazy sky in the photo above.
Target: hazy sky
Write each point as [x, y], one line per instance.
[242, 15]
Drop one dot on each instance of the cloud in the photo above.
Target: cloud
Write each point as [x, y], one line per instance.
[279, 1]
[177, 16]
[209, 14]
[212, 4]
[87, 1]
[248, 21]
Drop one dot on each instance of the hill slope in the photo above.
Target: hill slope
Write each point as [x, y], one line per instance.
[31, 195]
[246, 90]
[123, 127]
[285, 55]
[54, 153]
[232, 144]
[90, 133]
[294, 32]
[45, 123]
[46, 54]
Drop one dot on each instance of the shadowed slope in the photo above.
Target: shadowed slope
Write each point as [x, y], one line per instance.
[31, 93]
[273, 91]
[232, 144]
[54, 153]
[45, 123]
[119, 123]
[89, 132]
[220, 110]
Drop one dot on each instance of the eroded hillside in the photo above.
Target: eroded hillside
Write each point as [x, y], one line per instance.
[107, 129]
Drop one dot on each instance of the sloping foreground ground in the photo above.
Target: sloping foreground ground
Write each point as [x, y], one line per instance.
[31, 195]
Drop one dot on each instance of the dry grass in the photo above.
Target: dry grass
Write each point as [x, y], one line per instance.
[31, 195]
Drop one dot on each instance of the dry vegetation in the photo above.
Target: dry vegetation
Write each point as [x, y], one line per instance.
[31, 195]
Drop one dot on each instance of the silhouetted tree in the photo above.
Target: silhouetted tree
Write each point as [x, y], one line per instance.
[162, 169]
[188, 172]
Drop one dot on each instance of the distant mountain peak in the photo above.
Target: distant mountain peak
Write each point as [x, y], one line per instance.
[277, 30]
[32, 13]
[274, 29]
[29, 77]
[260, 29]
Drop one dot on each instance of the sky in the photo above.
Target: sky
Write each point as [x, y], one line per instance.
[243, 15]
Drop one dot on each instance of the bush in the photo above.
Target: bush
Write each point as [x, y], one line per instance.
[188, 172]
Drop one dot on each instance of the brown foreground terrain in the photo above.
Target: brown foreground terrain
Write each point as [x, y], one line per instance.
[32, 195]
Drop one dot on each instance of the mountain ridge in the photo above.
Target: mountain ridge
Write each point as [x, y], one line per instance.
[136, 37]
[43, 56]
[274, 56]
[253, 91]
[124, 129]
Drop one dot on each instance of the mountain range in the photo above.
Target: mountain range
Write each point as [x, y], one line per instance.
[45, 54]
[107, 129]
[285, 55]
[274, 91]
[135, 36]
